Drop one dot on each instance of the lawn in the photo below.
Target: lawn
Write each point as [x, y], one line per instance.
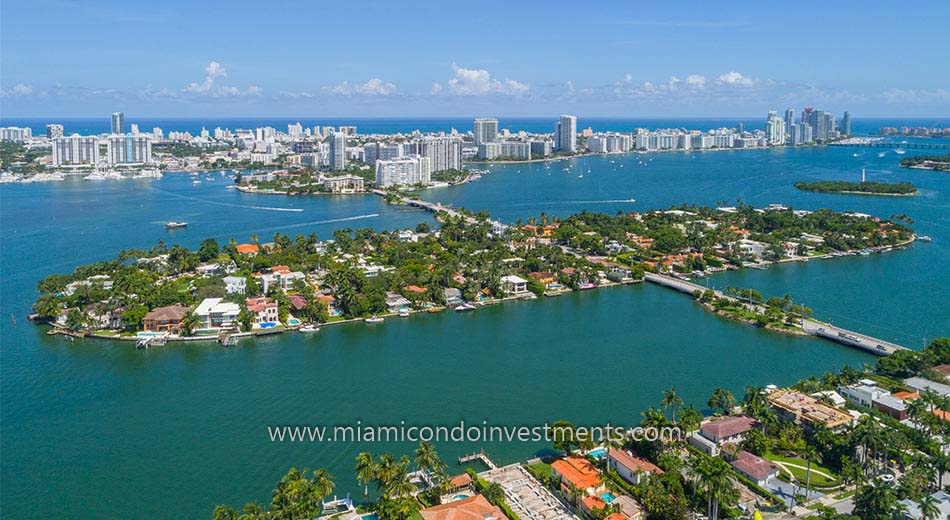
[800, 473]
[540, 469]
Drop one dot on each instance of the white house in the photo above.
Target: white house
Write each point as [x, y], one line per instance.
[630, 468]
[512, 284]
[215, 312]
[235, 284]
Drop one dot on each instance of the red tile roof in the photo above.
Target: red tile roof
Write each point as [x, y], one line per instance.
[472, 508]
[633, 463]
[578, 471]
[754, 466]
[728, 426]
[247, 248]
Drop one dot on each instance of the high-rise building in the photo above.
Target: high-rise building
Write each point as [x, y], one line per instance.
[295, 130]
[129, 149]
[404, 171]
[444, 153]
[565, 134]
[75, 150]
[775, 129]
[16, 134]
[485, 130]
[846, 123]
[789, 120]
[338, 151]
[118, 123]
[53, 131]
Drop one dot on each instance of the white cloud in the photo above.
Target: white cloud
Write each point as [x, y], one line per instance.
[570, 88]
[476, 82]
[373, 87]
[254, 90]
[628, 77]
[20, 89]
[696, 81]
[436, 88]
[896, 95]
[213, 71]
[736, 79]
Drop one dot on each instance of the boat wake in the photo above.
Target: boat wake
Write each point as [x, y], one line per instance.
[306, 224]
[229, 204]
[563, 202]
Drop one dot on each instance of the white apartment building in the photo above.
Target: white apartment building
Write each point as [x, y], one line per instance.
[129, 149]
[485, 130]
[404, 171]
[75, 150]
[565, 134]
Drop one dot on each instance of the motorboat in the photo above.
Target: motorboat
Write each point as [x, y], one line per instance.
[374, 319]
[175, 225]
[309, 328]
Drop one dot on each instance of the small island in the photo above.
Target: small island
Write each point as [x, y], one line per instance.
[859, 188]
[939, 163]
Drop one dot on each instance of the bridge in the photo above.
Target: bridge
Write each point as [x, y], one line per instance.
[869, 344]
[893, 144]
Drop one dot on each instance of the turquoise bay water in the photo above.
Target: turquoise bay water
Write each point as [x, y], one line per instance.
[99, 429]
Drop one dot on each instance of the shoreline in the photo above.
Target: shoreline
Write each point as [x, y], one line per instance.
[870, 193]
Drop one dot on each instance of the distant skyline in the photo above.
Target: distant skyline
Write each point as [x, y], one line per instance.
[373, 59]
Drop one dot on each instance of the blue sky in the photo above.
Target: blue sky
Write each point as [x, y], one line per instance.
[705, 59]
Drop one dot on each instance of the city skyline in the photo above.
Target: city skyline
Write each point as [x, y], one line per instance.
[695, 60]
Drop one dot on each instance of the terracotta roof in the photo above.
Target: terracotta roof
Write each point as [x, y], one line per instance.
[633, 463]
[416, 289]
[259, 304]
[247, 248]
[593, 502]
[298, 302]
[903, 396]
[461, 480]
[728, 426]
[170, 313]
[615, 516]
[943, 369]
[471, 508]
[754, 466]
[578, 471]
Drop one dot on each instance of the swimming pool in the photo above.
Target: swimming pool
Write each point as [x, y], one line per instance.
[598, 453]
[460, 496]
[608, 496]
[370, 516]
[293, 321]
[267, 325]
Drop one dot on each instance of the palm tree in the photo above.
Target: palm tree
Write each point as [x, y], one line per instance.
[875, 501]
[714, 479]
[671, 400]
[189, 323]
[810, 454]
[928, 508]
[322, 482]
[365, 467]
[427, 459]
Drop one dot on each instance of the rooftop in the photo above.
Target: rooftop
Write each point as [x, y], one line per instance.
[471, 508]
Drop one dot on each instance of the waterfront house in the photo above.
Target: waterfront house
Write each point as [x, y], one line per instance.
[396, 302]
[806, 411]
[630, 468]
[248, 249]
[263, 310]
[215, 312]
[543, 277]
[512, 284]
[330, 302]
[297, 302]
[862, 393]
[453, 296]
[235, 284]
[714, 433]
[755, 468]
[576, 473]
[165, 319]
[471, 508]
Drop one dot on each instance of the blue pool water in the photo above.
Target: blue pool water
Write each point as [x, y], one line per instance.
[268, 325]
[608, 496]
[371, 516]
[598, 453]
[460, 496]
[293, 321]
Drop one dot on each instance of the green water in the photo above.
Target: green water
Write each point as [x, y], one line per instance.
[94, 429]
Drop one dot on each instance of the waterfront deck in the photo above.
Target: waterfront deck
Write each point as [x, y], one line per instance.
[878, 347]
[479, 456]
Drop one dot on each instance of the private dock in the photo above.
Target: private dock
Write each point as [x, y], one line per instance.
[478, 456]
[869, 344]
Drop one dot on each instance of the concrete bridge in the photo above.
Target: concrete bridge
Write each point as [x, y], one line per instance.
[893, 144]
[812, 326]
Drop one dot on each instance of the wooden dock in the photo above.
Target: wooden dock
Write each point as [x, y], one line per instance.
[478, 456]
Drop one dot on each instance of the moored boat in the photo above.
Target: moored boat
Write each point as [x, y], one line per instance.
[374, 319]
[464, 307]
[309, 328]
[175, 225]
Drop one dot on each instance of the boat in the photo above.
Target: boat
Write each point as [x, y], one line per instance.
[586, 286]
[464, 307]
[925, 238]
[900, 151]
[403, 313]
[196, 182]
[94, 177]
[309, 328]
[374, 319]
[175, 225]
[881, 154]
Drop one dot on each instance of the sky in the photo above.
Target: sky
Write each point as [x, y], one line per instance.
[419, 58]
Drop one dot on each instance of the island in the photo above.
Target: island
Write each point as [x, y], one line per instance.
[940, 163]
[859, 188]
[227, 291]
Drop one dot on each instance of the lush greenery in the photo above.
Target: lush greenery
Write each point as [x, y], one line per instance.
[870, 188]
[18, 159]
[933, 162]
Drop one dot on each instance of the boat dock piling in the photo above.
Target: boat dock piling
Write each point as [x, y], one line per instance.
[479, 456]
